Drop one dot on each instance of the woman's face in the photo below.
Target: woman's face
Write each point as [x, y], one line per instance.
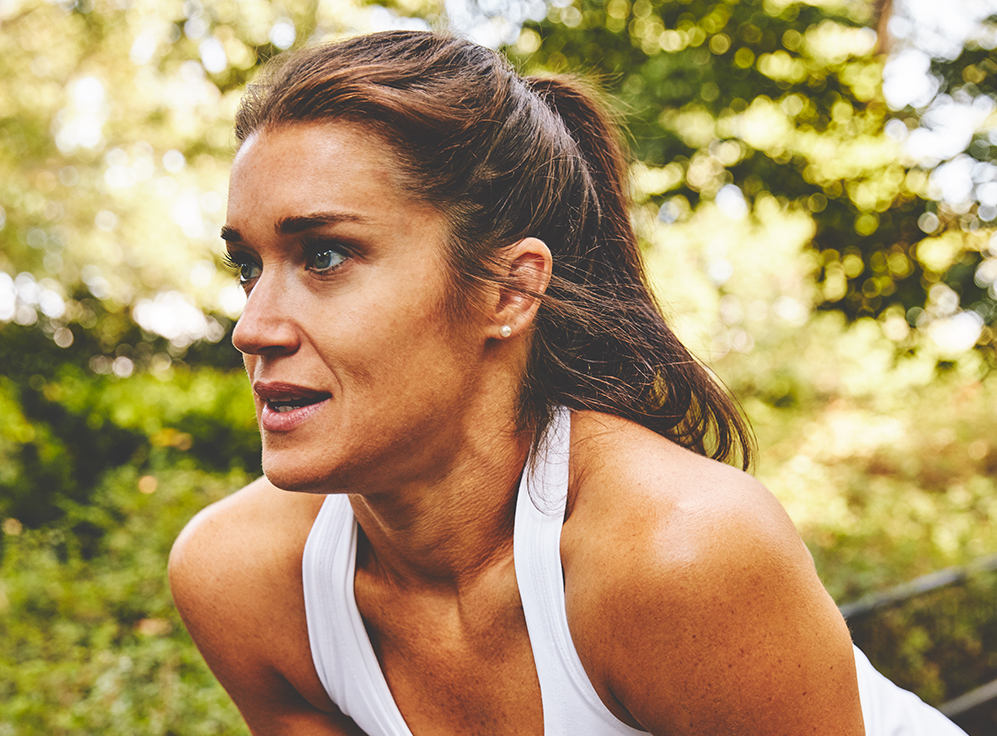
[356, 371]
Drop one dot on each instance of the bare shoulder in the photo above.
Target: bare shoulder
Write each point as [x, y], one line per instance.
[626, 478]
[235, 573]
[691, 599]
[249, 539]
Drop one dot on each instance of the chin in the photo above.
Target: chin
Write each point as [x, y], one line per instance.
[293, 477]
[288, 467]
[292, 471]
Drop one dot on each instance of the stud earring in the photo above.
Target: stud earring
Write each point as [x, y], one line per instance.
[505, 331]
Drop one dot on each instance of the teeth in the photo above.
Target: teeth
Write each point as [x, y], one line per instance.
[286, 405]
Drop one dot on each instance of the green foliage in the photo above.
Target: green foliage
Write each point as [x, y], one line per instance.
[785, 100]
[64, 426]
[89, 639]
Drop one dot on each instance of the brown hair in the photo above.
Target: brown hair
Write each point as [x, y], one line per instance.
[505, 157]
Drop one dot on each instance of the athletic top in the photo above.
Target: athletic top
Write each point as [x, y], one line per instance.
[342, 652]
[348, 668]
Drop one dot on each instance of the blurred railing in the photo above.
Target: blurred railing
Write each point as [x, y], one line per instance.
[976, 710]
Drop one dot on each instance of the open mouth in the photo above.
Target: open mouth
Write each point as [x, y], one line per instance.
[284, 397]
[290, 404]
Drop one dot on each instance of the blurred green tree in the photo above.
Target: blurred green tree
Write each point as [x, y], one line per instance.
[733, 101]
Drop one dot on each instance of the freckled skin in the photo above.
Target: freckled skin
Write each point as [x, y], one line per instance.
[693, 605]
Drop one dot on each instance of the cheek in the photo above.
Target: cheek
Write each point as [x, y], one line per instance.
[405, 319]
[404, 350]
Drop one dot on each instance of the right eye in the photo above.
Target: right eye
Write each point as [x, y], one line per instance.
[246, 268]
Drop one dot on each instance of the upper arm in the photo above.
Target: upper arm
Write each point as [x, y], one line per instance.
[701, 612]
[757, 645]
[230, 588]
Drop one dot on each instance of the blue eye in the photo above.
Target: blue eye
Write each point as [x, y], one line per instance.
[246, 269]
[248, 272]
[326, 259]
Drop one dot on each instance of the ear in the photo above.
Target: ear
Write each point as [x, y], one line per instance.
[528, 268]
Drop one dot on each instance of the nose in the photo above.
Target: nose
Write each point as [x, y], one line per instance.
[266, 326]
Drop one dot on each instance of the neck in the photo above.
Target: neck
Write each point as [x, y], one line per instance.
[442, 531]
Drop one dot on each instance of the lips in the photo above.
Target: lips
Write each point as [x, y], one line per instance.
[286, 405]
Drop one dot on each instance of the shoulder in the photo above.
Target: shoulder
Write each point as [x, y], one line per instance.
[250, 538]
[637, 488]
[235, 574]
[626, 477]
[691, 598]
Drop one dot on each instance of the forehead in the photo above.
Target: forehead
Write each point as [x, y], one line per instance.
[319, 167]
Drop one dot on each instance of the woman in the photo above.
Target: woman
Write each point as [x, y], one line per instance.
[492, 501]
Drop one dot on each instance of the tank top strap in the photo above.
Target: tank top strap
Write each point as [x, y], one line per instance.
[341, 650]
[571, 705]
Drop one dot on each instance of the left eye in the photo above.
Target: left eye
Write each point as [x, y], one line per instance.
[326, 260]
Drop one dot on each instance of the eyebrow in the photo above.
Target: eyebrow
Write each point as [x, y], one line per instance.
[302, 223]
[298, 224]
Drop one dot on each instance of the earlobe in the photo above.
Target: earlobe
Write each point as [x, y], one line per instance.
[527, 274]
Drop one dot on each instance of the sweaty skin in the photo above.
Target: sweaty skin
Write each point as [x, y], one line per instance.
[693, 605]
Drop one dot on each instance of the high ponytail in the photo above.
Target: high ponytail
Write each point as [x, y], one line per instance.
[603, 343]
[602, 150]
[504, 158]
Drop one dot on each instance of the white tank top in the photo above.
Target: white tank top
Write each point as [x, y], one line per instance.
[348, 668]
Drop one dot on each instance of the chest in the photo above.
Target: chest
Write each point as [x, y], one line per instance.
[456, 668]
